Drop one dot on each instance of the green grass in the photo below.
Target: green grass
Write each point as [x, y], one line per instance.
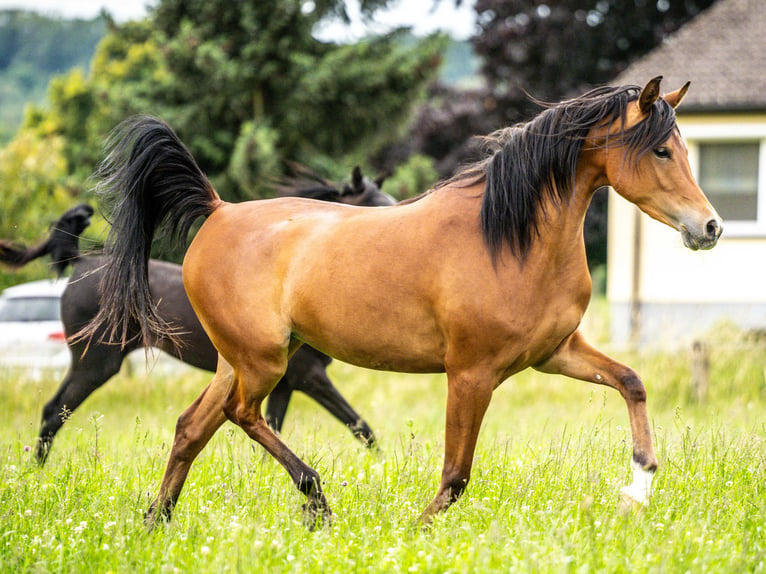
[552, 456]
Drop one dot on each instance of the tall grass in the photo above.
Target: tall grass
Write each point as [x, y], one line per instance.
[552, 456]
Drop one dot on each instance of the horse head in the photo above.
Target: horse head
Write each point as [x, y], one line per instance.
[660, 182]
[363, 191]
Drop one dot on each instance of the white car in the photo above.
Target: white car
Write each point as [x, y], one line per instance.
[31, 333]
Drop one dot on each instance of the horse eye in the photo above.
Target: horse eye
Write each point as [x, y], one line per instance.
[662, 152]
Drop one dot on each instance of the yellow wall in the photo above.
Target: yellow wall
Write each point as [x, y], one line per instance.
[733, 272]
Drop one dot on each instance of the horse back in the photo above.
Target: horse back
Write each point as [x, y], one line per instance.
[348, 281]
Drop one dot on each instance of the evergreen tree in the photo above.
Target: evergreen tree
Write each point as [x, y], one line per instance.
[247, 87]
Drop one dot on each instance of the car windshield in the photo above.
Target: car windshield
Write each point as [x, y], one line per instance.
[29, 309]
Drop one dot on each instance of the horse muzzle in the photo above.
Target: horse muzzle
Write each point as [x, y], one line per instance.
[704, 237]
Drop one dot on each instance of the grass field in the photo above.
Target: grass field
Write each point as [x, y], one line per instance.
[543, 497]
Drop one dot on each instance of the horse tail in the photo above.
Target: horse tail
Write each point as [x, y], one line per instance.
[62, 243]
[15, 256]
[149, 178]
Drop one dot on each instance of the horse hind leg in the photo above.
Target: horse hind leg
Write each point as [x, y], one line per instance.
[307, 372]
[276, 405]
[85, 376]
[250, 387]
[196, 425]
[319, 387]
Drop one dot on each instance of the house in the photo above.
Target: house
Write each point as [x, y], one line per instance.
[660, 293]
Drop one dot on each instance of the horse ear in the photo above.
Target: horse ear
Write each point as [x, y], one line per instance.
[357, 181]
[380, 179]
[649, 95]
[674, 98]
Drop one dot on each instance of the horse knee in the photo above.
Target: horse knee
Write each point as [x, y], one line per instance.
[632, 387]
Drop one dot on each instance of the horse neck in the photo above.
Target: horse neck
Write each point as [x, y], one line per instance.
[561, 228]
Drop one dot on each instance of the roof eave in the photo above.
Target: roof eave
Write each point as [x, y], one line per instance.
[714, 108]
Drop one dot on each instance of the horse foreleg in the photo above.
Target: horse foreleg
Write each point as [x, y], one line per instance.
[243, 407]
[193, 431]
[467, 400]
[576, 358]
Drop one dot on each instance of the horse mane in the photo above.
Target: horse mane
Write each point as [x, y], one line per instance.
[529, 162]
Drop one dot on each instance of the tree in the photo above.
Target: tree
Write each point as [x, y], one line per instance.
[557, 49]
[248, 89]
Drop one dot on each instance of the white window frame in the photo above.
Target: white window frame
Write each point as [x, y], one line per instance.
[698, 131]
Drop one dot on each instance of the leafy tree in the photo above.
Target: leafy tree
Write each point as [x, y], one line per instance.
[247, 87]
[552, 50]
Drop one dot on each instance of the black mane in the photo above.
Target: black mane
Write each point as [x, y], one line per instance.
[528, 162]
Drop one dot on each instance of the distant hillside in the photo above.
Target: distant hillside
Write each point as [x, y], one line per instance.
[33, 49]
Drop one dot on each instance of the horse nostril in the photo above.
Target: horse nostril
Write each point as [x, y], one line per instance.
[713, 229]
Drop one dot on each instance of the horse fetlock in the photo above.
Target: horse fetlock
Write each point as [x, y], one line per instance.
[43, 449]
[455, 487]
[157, 513]
[638, 493]
[363, 432]
[310, 485]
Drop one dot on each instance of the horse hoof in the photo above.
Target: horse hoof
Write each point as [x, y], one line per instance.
[153, 517]
[630, 502]
[316, 515]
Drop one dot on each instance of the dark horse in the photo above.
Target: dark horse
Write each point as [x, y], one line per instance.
[486, 275]
[62, 243]
[93, 365]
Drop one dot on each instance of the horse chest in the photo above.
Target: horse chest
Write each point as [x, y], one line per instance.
[530, 324]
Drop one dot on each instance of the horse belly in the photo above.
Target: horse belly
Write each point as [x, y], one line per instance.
[367, 309]
[380, 337]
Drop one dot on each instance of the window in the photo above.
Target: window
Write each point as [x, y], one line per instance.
[727, 154]
[29, 309]
[728, 173]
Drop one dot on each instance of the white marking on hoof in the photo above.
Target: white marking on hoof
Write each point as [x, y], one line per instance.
[638, 493]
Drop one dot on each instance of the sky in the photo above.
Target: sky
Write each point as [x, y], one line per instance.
[419, 14]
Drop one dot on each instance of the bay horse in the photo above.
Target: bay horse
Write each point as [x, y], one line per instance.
[92, 365]
[483, 276]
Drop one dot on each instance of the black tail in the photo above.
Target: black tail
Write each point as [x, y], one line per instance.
[62, 244]
[150, 178]
[15, 255]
